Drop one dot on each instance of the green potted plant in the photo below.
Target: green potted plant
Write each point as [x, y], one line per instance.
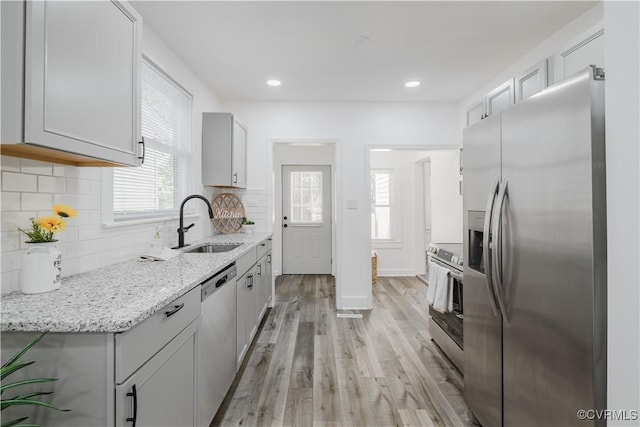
[247, 225]
[14, 364]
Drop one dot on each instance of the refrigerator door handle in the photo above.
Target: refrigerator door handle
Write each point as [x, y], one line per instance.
[486, 245]
[497, 253]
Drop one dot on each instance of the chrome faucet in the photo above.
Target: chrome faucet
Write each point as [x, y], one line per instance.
[184, 229]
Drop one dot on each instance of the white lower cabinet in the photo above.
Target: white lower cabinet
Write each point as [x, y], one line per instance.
[263, 285]
[252, 296]
[162, 392]
[241, 322]
[246, 315]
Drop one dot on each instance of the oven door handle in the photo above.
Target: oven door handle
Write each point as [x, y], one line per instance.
[452, 273]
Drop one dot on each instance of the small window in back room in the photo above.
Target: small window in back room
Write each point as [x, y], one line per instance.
[157, 187]
[381, 209]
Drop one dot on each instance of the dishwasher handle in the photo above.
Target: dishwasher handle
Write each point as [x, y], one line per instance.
[218, 280]
[222, 281]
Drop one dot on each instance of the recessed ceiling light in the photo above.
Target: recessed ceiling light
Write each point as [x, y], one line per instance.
[274, 82]
[413, 83]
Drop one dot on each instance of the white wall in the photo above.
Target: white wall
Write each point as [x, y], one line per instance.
[398, 256]
[354, 126]
[446, 200]
[622, 56]
[29, 189]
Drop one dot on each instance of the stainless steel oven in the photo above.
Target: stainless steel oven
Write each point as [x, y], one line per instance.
[446, 328]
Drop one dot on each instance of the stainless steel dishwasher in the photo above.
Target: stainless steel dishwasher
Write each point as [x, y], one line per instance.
[216, 342]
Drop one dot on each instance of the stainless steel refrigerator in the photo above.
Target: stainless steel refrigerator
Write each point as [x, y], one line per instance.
[535, 250]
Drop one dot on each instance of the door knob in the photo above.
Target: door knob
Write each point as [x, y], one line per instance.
[285, 226]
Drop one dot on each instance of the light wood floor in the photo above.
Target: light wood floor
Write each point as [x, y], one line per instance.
[309, 368]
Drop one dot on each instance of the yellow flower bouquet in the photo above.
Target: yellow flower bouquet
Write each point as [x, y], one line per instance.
[43, 229]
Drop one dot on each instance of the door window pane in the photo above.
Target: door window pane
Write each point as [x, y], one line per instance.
[306, 197]
[381, 205]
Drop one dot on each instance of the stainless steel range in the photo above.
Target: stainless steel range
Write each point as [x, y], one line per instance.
[446, 327]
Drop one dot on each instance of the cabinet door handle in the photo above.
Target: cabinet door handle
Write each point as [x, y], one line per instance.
[144, 151]
[235, 178]
[134, 394]
[176, 308]
[259, 270]
[263, 244]
[269, 259]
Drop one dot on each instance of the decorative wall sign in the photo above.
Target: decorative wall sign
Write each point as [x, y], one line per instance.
[228, 212]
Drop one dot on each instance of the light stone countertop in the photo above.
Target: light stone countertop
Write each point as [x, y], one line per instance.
[117, 297]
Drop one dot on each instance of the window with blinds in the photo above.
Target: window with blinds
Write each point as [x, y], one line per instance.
[381, 209]
[158, 186]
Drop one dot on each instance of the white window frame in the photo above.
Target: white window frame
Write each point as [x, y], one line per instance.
[320, 223]
[113, 219]
[393, 203]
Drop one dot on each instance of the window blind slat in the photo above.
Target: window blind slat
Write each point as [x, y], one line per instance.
[158, 185]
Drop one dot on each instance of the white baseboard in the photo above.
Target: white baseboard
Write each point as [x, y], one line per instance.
[389, 272]
[354, 303]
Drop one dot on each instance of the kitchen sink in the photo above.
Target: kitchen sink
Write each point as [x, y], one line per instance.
[210, 248]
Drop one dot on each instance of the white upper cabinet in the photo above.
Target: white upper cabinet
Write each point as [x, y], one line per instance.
[81, 83]
[239, 155]
[531, 81]
[582, 52]
[474, 113]
[500, 98]
[224, 151]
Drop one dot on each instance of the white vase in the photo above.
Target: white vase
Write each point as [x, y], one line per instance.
[41, 268]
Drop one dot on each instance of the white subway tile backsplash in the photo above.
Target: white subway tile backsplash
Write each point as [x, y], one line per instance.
[80, 186]
[37, 201]
[52, 184]
[69, 234]
[12, 181]
[112, 257]
[14, 219]
[70, 267]
[96, 187]
[11, 240]
[11, 164]
[94, 174]
[86, 232]
[95, 216]
[36, 167]
[60, 170]
[78, 201]
[88, 262]
[30, 188]
[10, 201]
[11, 260]
[86, 201]
[10, 281]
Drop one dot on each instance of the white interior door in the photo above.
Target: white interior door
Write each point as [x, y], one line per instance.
[306, 219]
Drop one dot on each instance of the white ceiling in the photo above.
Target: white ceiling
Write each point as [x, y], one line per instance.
[451, 47]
